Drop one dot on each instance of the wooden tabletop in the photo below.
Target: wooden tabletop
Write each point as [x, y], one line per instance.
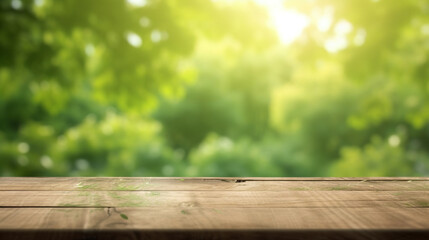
[214, 208]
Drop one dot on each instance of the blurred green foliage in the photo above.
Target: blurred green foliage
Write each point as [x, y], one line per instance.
[205, 88]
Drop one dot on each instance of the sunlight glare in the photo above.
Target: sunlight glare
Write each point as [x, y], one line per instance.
[137, 3]
[339, 41]
[325, 20]
[289, 24]
[134, 39]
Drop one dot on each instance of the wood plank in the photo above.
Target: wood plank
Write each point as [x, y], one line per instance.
[227, 208]
[215, 199]
[215, 218]
[189, 184]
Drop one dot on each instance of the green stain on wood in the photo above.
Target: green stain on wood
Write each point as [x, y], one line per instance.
[87, 199]
[101, 199]
[84, 193]
[417, 204]
[128, 200]
[217, 210]
[124, 187]
[421, 204]
[338, 188]
[114, 195]
[96, 210]
[185, 212]
[124, 216]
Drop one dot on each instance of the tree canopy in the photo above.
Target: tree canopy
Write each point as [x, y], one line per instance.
[207, 88]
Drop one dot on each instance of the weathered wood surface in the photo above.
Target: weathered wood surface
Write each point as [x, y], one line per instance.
[214, 208]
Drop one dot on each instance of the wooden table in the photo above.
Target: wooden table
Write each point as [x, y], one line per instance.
[214, 208]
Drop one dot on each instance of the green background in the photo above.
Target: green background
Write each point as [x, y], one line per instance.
[205, 88]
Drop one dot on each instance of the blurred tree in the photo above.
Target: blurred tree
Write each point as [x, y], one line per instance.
[117, 146]
[360, 79]
[220, 157]
[231, 96]
[127, 52]
[80, 83]
[62, 62]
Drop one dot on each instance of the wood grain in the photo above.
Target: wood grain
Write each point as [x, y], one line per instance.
[214, 184]
[215, 218]
[214, 208]
[215, 199]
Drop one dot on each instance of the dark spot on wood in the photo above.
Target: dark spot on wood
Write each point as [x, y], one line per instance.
[185, 212]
